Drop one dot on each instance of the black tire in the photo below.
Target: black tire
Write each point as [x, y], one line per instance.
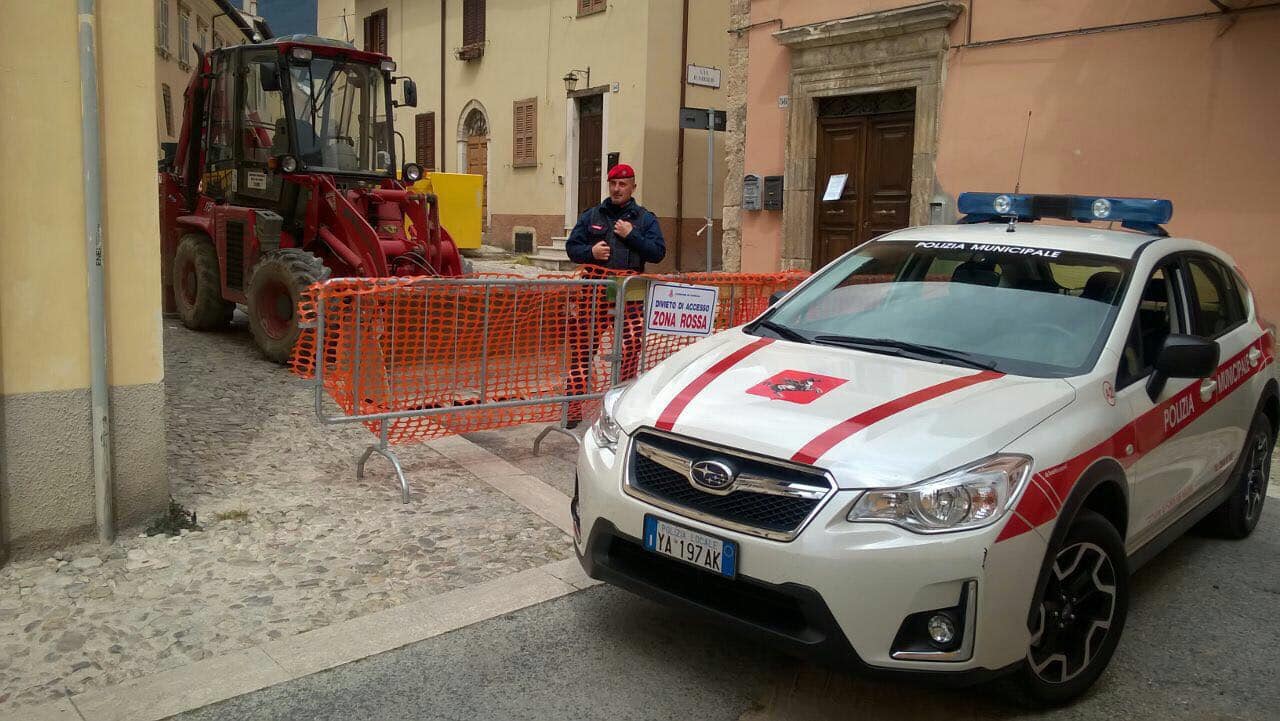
[1081, 613]
[275, 286]
[197, 285]
[1238, 515]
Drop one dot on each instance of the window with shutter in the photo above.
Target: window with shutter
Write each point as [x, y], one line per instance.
[472, 23]
[375, 32]
[590, 7]
[168, 108]
[424, 140]
[184, 35]
[525, 133]
[162, 25]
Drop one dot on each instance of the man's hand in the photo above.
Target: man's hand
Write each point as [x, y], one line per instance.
[622, 228]
[600, 251]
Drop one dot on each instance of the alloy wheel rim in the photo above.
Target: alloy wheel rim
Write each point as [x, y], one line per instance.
[1259, 470]
[1075, 614]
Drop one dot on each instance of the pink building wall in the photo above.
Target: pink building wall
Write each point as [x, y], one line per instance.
[1188, 111]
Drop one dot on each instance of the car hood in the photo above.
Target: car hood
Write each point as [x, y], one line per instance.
[872, 420]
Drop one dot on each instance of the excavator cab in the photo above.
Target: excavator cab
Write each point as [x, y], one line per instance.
[286, 173]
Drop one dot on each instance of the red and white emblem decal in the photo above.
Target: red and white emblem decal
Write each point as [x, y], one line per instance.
[796, 386]
[1109, 392]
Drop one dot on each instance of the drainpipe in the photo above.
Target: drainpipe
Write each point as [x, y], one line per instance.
[684, 64]
[94, 255]
[441, 150]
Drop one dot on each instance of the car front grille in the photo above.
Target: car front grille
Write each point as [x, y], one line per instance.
[768, 498]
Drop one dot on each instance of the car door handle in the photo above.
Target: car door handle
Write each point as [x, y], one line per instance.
[1254, 356]
[835, 212]
[1207, 388]
[884, 212]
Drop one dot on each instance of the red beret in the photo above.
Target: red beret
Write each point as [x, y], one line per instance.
[621, 170]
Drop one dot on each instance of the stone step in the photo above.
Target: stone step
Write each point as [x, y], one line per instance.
[557, 243]
[552, 264]
[552, 261]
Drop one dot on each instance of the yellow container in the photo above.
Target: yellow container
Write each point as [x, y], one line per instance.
[461, 197]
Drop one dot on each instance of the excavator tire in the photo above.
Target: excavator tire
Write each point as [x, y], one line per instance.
[275, 286]
[197, 285]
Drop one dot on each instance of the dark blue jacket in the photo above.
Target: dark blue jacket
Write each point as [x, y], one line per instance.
[643, 245]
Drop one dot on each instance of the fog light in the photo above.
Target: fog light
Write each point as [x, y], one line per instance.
[412, 172]
[288, 164]
[942, 630]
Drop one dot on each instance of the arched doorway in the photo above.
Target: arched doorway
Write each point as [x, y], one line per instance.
[473, 150]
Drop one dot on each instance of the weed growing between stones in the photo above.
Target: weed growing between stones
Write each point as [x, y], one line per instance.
[173, 521]
[238, 514]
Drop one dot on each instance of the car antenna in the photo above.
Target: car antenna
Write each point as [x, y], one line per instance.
[1017, 185]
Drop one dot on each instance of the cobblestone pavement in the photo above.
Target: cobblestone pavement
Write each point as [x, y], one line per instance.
[291, 540]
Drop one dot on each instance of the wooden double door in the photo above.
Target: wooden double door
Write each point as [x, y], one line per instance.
[875, 153]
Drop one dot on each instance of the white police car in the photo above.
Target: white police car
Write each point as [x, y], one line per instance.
[945, 452]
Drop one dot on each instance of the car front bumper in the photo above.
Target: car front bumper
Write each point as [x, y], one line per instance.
[839, 592]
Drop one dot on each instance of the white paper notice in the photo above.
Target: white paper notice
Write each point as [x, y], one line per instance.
[835, 186]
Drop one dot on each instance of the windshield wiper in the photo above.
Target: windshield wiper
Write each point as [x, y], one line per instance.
[782, 331]
[917, 349]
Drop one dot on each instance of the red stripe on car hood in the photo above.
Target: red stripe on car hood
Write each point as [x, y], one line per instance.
[671, 413]
[817, 447]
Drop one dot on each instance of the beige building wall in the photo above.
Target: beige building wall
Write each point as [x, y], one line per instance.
[46, 480]
[172, 70]
[632, 49]
[1182, 111]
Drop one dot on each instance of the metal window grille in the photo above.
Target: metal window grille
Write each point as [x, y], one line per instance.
[590, 7]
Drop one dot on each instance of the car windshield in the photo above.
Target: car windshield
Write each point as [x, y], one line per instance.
[1027, 311]
[340, 116]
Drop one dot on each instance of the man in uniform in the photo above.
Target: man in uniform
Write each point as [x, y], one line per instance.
[618, 235]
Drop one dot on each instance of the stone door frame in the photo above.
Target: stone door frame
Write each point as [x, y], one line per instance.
[872, 53]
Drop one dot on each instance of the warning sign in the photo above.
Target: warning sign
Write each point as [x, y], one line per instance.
[678, 309]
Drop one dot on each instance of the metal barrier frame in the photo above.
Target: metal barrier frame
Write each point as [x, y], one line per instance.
[615, 358]
[382, 447]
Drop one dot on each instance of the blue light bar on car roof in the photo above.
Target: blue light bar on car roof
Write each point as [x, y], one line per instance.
[1144, 214]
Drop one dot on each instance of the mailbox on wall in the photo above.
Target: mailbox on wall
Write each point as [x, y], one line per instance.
[771, 198]
[751, 192]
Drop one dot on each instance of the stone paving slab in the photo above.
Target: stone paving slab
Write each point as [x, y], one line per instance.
[291, 541]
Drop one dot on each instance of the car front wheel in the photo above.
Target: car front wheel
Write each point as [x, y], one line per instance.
[1239, 514]
[1078, 618]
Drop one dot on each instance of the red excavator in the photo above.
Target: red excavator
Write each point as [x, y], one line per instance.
[285, 173]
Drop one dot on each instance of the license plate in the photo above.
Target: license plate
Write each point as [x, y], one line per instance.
[706, 552]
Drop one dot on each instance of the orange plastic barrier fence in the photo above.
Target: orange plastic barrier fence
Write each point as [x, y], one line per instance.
[441, 356]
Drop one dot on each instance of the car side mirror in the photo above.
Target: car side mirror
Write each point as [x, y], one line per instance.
[1182, 356]
[410, 93]
[776, 296]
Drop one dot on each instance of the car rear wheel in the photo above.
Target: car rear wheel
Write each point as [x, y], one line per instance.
[197, 285]
[1239, 514]
[1078, 618]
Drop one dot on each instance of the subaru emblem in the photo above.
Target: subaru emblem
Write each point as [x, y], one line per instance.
[712, 475]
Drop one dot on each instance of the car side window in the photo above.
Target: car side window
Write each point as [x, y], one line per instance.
[1217, 303]
[1155, 319]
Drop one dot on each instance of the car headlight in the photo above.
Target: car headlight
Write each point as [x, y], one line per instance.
[607, 431]
[969, 497]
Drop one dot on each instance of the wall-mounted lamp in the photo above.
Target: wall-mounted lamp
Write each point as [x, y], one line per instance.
[571, 79]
